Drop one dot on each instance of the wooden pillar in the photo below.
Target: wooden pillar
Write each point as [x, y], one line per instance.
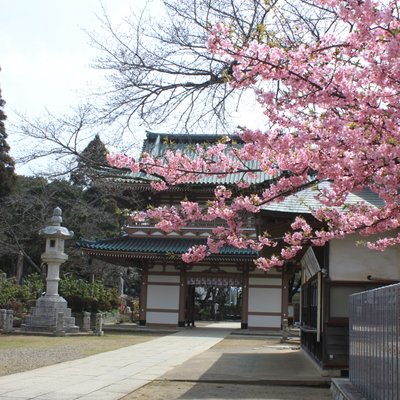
[245, 299]
[182, 298]
[285, 292]
[143, 297]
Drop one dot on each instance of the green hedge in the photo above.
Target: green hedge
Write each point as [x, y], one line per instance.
[84, 296]
[80, 295]
[20, 298]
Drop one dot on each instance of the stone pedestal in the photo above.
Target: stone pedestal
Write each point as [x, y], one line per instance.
[43, 317]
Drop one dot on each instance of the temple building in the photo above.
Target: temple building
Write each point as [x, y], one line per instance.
[328, 274]
[167, 283]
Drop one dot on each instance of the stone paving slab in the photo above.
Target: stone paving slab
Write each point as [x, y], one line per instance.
[250, 360]
[111, 375]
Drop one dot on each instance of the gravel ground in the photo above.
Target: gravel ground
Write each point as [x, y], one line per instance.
[23, 353]
[162, 390]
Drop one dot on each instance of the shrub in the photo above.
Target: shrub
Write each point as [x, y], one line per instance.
[20, 298]
[84, 296]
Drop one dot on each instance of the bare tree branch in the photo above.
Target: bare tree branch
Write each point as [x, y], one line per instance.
[157, 68]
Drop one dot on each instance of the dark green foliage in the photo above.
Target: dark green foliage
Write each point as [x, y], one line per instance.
[84, 296]
[90, 159]
[80, 295]
[20, 298]
[28, 209]
[7, 175]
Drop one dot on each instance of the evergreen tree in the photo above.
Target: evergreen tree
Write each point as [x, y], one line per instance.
[7, 175]
[92, 158]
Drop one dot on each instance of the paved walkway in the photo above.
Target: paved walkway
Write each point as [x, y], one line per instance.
[197, 357]
[114, 374]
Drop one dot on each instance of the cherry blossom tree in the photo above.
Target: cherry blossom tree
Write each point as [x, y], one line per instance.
[332, 107]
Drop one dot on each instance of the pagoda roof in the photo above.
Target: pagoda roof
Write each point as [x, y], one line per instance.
[157, 144]
[155, 247]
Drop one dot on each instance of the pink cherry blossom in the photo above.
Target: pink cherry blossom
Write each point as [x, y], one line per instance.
[333, 111]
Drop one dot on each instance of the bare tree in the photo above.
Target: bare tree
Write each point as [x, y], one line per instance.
[55, 140]
[161, 74]
[56, 144]
[161, 70]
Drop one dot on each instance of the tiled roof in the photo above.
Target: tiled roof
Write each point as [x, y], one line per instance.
[157, 144]
[305, 201]
[160, 246]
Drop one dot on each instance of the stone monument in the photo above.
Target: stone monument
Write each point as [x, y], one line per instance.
[50, 305]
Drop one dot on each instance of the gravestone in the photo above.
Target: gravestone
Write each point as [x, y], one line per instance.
[2, 318]
[86, 322]
[8, 324]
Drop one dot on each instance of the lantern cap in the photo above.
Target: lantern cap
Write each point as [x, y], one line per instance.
[55, 230]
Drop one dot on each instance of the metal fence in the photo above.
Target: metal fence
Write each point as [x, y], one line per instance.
[374, 365]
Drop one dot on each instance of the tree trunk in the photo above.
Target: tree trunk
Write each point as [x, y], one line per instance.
[20, 268]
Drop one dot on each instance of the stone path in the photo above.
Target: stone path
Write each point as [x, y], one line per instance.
[114, 374]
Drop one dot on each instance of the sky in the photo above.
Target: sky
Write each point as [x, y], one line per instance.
[45, 55]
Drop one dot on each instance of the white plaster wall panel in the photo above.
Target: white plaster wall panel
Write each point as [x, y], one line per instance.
[164, 278]
[167, 318]
[265, 281]
[164, 297]
[171, 268]
[265, 299]
[259, 271]
[199, 268]
[157, 268]
[264, 321]
[350, 262]
[275, 271]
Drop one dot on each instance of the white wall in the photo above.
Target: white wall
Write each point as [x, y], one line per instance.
[265, 281]
[163, 278]
[265, 299]
[165, 318]
[264, 321]
[163, 297]
[349, 262]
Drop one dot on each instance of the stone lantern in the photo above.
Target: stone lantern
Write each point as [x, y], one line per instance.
[50, 307]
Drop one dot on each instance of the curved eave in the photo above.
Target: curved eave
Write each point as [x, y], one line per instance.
[111, 254]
